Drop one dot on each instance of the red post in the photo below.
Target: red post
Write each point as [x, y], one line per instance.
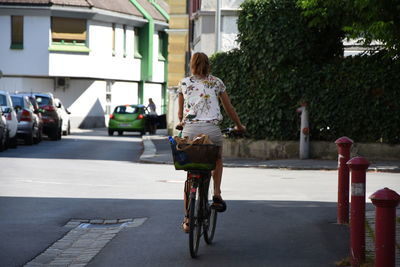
[344, 145]
[385, 201]
[358, 167]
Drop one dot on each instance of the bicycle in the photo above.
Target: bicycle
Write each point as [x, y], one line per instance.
[202, 217]
[198, 198]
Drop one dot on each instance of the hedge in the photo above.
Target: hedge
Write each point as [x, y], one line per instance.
[283, 63]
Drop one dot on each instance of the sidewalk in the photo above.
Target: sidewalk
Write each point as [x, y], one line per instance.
[157, 150]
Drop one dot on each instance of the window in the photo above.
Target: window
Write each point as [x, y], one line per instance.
[67, 30]
[68, 34]
[161, 40]
[136, 44]
[113, 39]
[126, 110]
[17, 32]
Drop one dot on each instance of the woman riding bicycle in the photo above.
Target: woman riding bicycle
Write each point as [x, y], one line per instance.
[199, 113]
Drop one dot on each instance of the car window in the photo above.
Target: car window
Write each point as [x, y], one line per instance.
[43, 101]
[34, 103]
[17, 101]
[126, 110]
[3, 100]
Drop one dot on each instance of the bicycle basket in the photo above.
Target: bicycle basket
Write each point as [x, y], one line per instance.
[195, 156]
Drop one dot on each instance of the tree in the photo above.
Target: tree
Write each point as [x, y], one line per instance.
[367, 20]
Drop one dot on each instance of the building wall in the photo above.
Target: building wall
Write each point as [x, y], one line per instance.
[177, 52]
[100, 62]
[33, 59]
[158, 65]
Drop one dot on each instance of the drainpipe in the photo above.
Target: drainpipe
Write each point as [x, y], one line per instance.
[146, 37]
[218, 26]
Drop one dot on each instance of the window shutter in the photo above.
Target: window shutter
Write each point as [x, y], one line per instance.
[68, 29]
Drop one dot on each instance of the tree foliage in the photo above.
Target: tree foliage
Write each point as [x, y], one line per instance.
[367, 20]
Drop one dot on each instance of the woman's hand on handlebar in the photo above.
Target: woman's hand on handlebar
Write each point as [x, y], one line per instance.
[240, 128]
[179, 126]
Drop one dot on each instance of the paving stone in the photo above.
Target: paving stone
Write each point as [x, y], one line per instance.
[80, 245]
[110, 221]
[44, 258]
[96, 221]
[72, 224]
[34, 264]
[124, 220]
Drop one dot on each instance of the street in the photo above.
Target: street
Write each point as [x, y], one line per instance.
[274, 217]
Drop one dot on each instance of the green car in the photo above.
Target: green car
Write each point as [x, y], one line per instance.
[127, 118]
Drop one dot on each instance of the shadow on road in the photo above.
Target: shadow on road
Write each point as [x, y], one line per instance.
[87, 145]
[249, 233]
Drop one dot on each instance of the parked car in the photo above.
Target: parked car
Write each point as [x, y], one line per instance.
[11, 118]
[52, 121]
[66, 123]
[127, 118]
[28, 120]
[3, 131]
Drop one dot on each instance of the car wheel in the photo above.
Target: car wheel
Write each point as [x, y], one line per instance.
[120, 133]
[40, 134]
[110, 132]
[36, 138]
[59, 134]
[3, 144]
[142, 133]
[28, 139]
[53, 134]
[13, 142]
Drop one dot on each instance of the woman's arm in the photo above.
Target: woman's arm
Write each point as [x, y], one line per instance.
[180, 107]
[230, 110]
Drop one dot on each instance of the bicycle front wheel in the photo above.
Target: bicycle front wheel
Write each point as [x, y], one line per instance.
[194, 223]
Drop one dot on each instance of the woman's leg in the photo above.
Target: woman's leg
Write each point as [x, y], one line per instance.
[217, 177]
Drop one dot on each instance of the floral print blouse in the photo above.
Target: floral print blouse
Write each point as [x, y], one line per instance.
[201, 99]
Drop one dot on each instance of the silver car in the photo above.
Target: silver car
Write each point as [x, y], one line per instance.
[11, 118]
[28, 121]
[3, 131]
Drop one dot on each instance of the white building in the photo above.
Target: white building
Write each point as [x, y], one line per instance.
[203, 21]
[93, 55]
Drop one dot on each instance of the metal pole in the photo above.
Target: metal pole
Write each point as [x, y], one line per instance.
[344, 145]
[358, 167]
[385, 201]
[218, 26]
[304, 149]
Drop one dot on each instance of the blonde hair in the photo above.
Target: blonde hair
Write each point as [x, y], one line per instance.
[199, 64]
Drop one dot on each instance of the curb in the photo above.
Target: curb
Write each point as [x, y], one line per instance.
[149, 149]
[149, 156]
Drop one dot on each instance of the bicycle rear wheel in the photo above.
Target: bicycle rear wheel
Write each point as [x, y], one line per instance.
[194, 223]
[210, 221]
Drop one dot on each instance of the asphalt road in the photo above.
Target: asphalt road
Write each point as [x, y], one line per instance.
[274, 217]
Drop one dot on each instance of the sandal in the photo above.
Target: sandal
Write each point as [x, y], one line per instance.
[185, 225]
[219, 204]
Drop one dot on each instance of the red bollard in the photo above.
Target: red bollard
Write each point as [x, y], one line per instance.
[385, 201]
[344, 145]
[358, 167]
